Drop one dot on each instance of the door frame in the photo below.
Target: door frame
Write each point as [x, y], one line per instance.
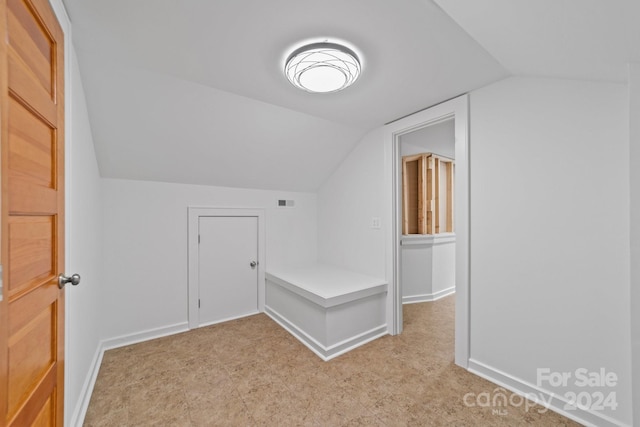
[194, 214]
[60, 12]
[458, 109]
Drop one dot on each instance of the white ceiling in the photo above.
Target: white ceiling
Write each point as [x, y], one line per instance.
[576, 39]
[157, 127]
[192, 91]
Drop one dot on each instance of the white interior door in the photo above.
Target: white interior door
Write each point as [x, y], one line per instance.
[228, 273]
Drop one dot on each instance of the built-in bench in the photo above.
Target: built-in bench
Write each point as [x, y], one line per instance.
[330, 310]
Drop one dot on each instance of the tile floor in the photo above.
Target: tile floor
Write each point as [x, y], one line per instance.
[251, 372]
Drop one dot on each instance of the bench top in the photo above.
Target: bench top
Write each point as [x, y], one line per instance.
[327, 285]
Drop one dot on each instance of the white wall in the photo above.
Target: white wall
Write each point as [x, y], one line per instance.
[417, 270]
[549, 230]
[83, 234]
[84, 223]
[145, 246]
[347, 201]
[428, 268]
[634, 139]
[438, 139]
[549, 227]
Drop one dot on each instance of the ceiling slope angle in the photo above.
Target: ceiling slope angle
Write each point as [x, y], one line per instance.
[575, 39]
[159, 128]
[229, 55]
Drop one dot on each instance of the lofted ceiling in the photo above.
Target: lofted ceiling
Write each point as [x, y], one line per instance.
[192, 91]
[574, 39]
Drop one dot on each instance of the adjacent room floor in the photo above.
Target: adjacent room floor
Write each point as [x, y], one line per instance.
[252, 372]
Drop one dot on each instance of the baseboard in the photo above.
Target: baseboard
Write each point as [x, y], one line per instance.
[356, 341]
[412, 299]
[77, 418]
[149, 334]
[554, 402]
[228, 319]
[80, 411]
[323, 352]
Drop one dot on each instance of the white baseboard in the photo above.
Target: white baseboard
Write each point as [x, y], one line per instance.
[323, 352]
[142, 336]
[553, 401]
[228, 319]
[412, 299]
[77, 418]
[82, 405]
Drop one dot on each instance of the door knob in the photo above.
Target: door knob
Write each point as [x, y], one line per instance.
[253, 264]
[73, 279]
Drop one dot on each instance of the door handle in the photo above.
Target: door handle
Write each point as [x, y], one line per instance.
[74, 279]
[253, 264]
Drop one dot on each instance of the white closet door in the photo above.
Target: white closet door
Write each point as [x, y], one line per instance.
[228, 274]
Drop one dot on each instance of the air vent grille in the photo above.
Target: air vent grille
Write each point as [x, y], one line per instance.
[286, 203]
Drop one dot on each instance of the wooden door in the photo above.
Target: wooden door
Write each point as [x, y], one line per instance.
[413, 187]
[32, 207]
[228, 282]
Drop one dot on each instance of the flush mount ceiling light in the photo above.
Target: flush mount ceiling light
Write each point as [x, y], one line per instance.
[322, 67]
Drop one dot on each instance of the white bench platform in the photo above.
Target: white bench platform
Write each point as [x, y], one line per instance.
[328, 309]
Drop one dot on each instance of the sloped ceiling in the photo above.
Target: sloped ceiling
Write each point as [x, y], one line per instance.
[576, 39]
[192, 91]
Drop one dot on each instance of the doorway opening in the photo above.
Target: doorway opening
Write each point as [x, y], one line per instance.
[427, 242]
[455, 111]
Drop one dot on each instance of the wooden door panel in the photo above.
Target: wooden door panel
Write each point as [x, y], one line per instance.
[32, 58]
[31, 147]
[29, 360]
[45, 414]
[32, 312]
[24, 88]
[44, 392]
[411, 209]
[41, 200]
[29, 38]
[31, 252]
[39, 300]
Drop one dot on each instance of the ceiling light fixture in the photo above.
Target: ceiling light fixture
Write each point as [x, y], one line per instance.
[322, 67]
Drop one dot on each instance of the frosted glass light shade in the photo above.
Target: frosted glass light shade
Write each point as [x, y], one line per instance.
[322, 67]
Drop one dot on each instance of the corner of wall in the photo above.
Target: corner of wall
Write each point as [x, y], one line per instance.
[548, 270]
[84, 250]
[347, 203]
[634, 179]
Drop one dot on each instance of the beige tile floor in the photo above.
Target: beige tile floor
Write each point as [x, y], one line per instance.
[252, 372]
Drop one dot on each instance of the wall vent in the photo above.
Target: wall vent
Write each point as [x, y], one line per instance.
[286, 203]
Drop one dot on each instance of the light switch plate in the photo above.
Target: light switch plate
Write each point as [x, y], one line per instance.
[375, 222]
